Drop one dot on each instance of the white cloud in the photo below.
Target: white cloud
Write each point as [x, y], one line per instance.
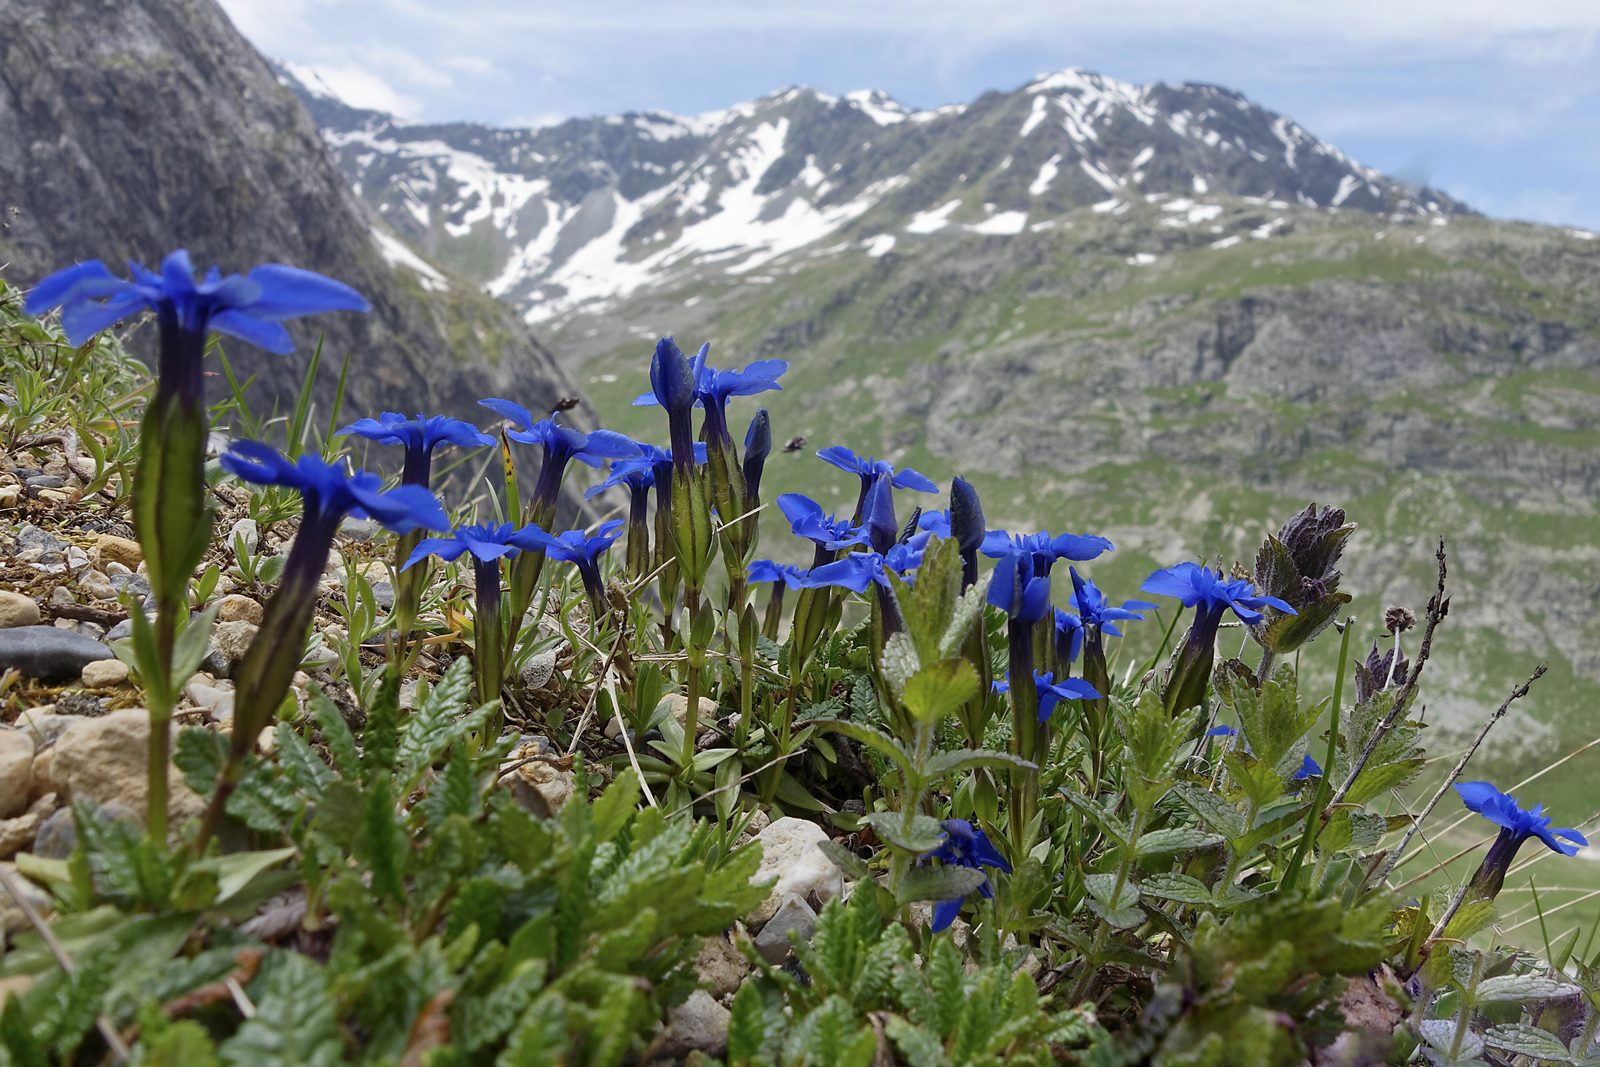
[356, 86]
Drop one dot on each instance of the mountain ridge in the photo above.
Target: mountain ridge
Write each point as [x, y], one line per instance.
[571, 217]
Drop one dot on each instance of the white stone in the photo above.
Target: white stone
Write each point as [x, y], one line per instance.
[104, 673]
[698, 1024]
[18, 610]
[790, 853]
[16, 771]
[104, 760]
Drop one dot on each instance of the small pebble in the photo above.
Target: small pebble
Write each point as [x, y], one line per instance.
[119, 550]
[104, 673]
[18, 610]
[238, 608]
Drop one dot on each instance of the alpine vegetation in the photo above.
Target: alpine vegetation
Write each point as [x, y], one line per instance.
[707, 774]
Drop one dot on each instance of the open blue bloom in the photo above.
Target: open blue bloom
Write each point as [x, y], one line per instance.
[711, 388]
[1045, 547]
[251, 307]
[1223, 731]
[1015, 589]
[561, 444]
[936, 523]
[807, 519]
[859, 571]
[1517, 824]
[485, 541]
[420, 436]
[1503, 810]
[574, 546]
[329, 493]
[1211, 595]
[1093, 609]
[870, 470]
[786, 574]
[1052, 692]
[1309, 768]
[964, 845]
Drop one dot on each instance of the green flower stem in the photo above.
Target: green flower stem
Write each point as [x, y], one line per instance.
[1319, 800]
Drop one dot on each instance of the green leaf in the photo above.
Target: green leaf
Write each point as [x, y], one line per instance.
[1521, 1040]
[850, 865]
[236, 870]
[1520, 987]
[294, 1023]
[939, 689]
[944, 764]
[1182, 888]
[924, 835]
[753, 1029]
[438, 722]
[1095, 812]
[189, 650]
[1213, 810]
[1376, 779]
[336, 736]
[1118, 906]
[1174, 839]
[944, 882]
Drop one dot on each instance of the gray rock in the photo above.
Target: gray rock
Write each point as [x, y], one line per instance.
[699, 1024]
[246, 530]
[537, 671]
[31, 538]
[48, 654]
[359, 529]
[794, 916]
[230, 641]
[58, 835]
[16, 770]
[46, 481]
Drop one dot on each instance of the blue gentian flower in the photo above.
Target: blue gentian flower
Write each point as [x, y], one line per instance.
[251, 307]
[581, 550]
[1503, 810]
[757, 447]
[1309, 768]
[712, 388]
[1093, 609]
[1223, 731]
[328, 493]
[487, 542]
[1052, 692]
[964, 845]
[561, 445]
[1517, 824]
[1211, 595]
[1017, 591]
[420, 436]
[1045, 547]
[870, 470]
[785, 574]
[807, 519]
[883, 532]
[859, 571]
[936, 523]
[1209, 592]
[672, 384]
[1069, 636]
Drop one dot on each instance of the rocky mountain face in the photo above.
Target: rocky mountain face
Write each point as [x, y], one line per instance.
[571, 218]
[130, 127]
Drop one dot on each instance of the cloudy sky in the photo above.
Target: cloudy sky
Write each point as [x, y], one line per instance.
[1496, 102]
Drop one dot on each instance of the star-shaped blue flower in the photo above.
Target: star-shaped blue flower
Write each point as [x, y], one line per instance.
[330, 492]
[766, 570]
[964, 845]
[561, 444]
[1052, 692]
[251, 307]
[1045, 547]
[574, 546]
[808, 519]
[420, 436]
[869, 470]
[484, 541]
[859, 571]
[1522, 823]
[1015, 589]
[1212, 594]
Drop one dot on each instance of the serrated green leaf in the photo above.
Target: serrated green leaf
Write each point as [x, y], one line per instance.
[293, 1024]
[939, 689]
[1520, 987]
[1523, 1040]
[1174, 839]
[924, 835]
[944, 882]
[874, 739]
[1182, 888]
[1213, 810]
[944, 764]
